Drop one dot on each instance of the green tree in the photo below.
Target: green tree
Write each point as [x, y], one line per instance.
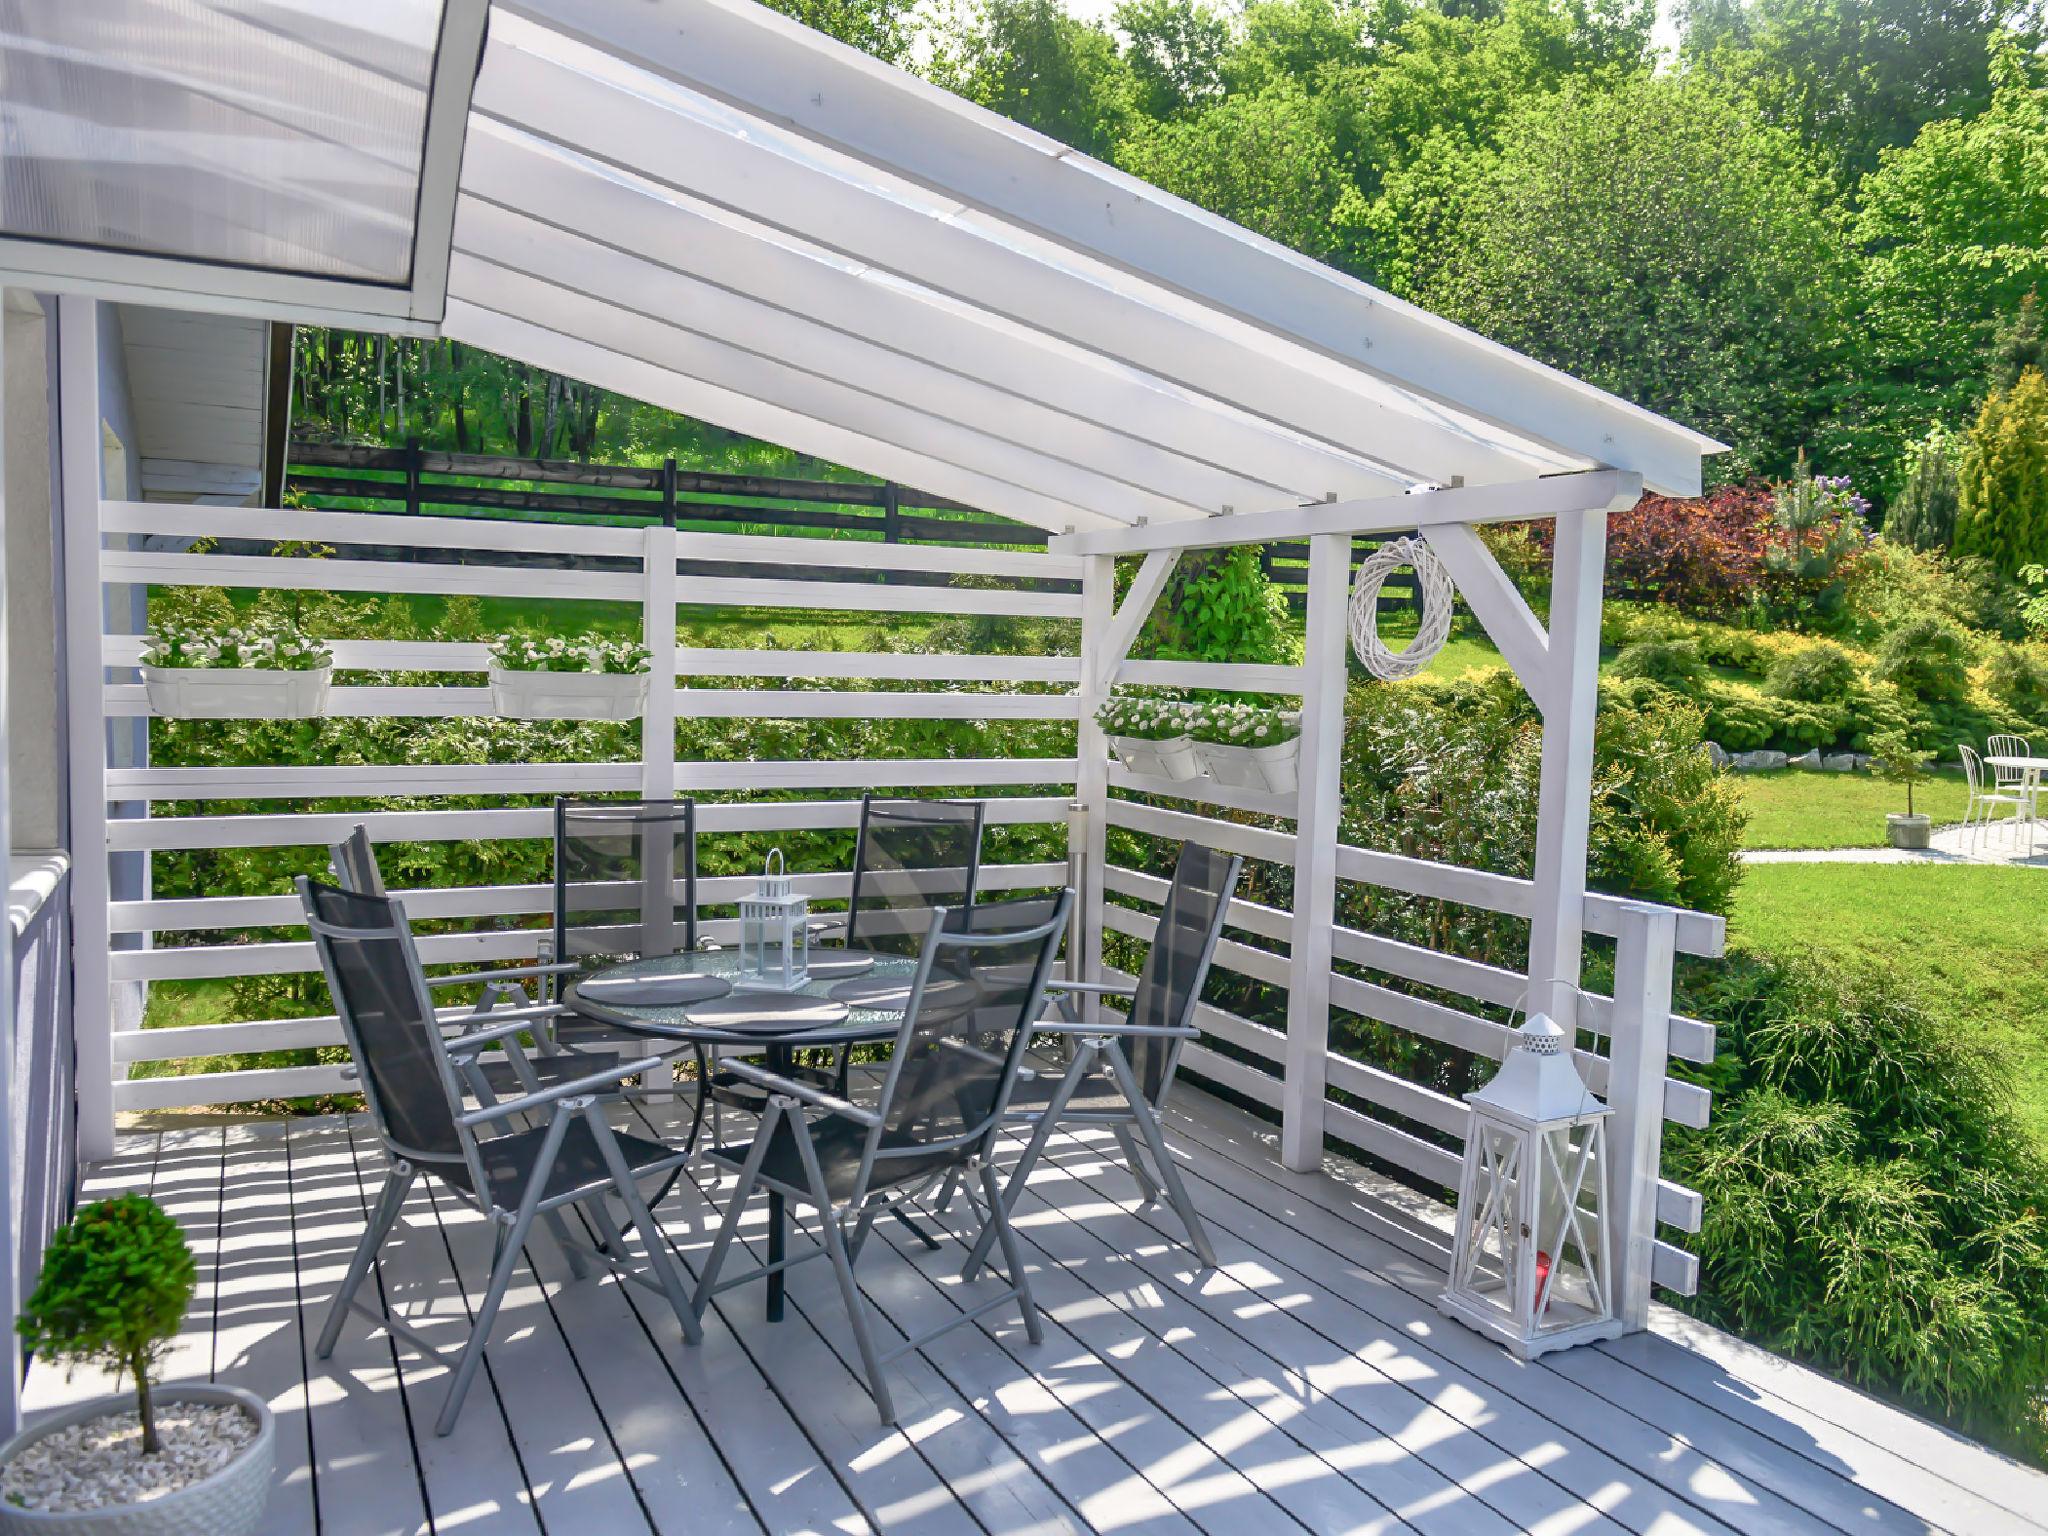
[1261, 160]
[1923, 512]
[1853, 78]
[1656, 240]
[2019, 345]
[1035, 64]
[1954, 228]
[879, 27]
[2003, 510]
[1175, 52]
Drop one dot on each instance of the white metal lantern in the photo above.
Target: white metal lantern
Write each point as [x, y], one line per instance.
[1530, 1262]
[775, 939]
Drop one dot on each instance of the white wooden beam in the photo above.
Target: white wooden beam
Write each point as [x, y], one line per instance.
[1557, 917]
[92, 1015]
[1601, 490]
[1137, 606]
[1315, 853]
[1639, 1058]
[1495, 602]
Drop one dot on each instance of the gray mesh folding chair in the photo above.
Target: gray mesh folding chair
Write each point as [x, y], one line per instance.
[1118, 1075]
[409, 1074]
[965, 1026]
[354, 862]
[910, 857]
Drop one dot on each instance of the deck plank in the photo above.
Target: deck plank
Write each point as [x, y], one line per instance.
[256, 1343]
[363, 1460]
[1442, 1475]
[895, 1473]
[997, 1372]
[473, 1477]
[1653, 1466]
[574, 1469]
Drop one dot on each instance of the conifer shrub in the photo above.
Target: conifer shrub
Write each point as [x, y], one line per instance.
[2002, 510]
[1928, 659]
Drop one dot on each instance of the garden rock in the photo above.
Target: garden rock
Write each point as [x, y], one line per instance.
[1810, 761]
[1716, 753]
[1758, 762]
[1840, 762]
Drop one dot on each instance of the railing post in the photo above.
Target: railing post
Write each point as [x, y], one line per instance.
[892, 512]
[1087, 827]
[1315, 853]
[658, 723]
[668, 493]
[1638, 1060]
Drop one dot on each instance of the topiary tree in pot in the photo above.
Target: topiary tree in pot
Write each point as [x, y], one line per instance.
[115, 1284]
[1898, 761]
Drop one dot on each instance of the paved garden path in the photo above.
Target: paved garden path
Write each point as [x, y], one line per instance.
[2000, 845]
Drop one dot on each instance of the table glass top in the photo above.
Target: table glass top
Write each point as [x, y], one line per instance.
[725, 963]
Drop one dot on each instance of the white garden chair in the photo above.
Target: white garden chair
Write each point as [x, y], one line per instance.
[1984, 799]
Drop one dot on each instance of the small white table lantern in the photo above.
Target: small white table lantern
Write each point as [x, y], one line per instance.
[775, 940]
[1530, 1262]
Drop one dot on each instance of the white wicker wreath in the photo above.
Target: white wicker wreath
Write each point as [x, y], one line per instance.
[1437, 597]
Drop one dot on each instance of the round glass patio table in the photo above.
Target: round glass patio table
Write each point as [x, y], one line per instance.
[776, 1034]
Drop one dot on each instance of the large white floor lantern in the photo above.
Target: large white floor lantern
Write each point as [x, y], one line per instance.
[1530, 1261]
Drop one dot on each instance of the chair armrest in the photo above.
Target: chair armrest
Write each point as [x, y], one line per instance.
[511, 973]
[594, 1083]
[805, 1092]
[1099, 988]
[506, 1021]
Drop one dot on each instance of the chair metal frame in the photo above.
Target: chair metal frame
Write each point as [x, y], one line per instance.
[869, 1198]
[563, 1104]
[904, 808]
[1094, 1046]
[1977, 815]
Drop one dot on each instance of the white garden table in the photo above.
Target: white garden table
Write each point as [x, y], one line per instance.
[2030, 770]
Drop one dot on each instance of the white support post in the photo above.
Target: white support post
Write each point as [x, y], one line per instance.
[658, 725]
[1640, 1056]
[92, 1017]
[1315, 859]
[1563, 817]
[1087, 824]
[10, 1174]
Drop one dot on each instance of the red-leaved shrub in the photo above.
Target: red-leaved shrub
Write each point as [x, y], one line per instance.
[1701, 554]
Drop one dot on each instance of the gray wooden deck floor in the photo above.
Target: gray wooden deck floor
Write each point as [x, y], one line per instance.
[1307, 1385]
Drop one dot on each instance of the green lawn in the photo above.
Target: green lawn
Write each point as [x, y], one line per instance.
[1971, 937]
[1794, 809]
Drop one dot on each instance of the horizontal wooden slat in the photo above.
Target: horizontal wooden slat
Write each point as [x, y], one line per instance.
[206, 1088]
[875, 555]
[1205, 792]
[869, 597]
[294, 574]
[130, 699]
[1179, 826]
[347, 528]
[1246, 677]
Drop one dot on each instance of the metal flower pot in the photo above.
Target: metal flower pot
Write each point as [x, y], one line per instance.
[568, 695]
[228, 1503]
[1174, 758]
[1274, 768]
[237, 693]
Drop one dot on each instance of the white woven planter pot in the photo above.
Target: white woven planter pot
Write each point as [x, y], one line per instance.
[1173, 758]
[236, 693]
[229, 1503]
[1275, 769]
[568, 695]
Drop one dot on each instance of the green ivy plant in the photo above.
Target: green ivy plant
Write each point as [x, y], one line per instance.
[114, 1288]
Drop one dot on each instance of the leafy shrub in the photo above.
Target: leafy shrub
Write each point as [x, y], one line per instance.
[1220, 606]
[114, 1288]
[1923, 513]
[2018, 679]
[1811, 544]
[1674, 663]
[1700, 554]
[1875, 1210]
[1928, 658]
[1821, 673]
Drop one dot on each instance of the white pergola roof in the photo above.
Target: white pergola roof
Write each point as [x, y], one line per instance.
[702, 204]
